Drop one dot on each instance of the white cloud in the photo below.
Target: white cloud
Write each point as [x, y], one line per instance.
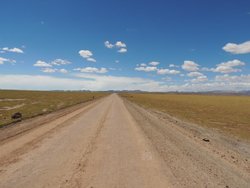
[41, 63]
[87, 54]
[122, 50]
[92, 70]
[104, 82]
[122, 47]
[3, 60]
[206, 69]
[64, 71]
[14, 50]
[108, 44]
[233, 79]
[59, 62]
[117, 61]
[234, 48]
[195, 74]
[167, 79]
[48, 70]
[91, 59]
[173, 65]
[154, 63]
[201, 78]
[167, 71]
[146, 69]
[80, 81]
[190, 66]
[53, 70]
[120, 44]
[229, 66]
[143, 64]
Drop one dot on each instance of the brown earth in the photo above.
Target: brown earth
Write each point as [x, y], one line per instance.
[114, 143]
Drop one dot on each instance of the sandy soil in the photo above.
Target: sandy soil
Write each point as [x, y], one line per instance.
[114, 143]
[11, 100]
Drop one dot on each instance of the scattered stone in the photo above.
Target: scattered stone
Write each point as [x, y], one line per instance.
[206, 140]
[16, 115]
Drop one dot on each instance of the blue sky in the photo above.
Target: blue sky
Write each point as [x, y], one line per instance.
[160, 45]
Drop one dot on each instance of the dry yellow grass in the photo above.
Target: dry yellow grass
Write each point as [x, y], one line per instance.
[33, 103]
[230, 114]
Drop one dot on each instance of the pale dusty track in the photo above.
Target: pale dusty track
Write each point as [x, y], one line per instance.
[113, 143]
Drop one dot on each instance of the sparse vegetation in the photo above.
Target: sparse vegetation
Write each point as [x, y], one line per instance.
[230, 114]
[33, 103]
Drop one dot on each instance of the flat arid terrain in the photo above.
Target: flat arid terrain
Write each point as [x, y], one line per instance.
[113, 142]
[34, 103]
[227, 113]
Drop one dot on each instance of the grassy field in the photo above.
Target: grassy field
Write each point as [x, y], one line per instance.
[33, 103]
[228, 113]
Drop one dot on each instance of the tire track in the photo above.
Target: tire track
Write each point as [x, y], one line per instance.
[15, 155]
[75, 179]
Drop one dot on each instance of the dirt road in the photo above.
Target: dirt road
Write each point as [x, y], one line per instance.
[113, 143]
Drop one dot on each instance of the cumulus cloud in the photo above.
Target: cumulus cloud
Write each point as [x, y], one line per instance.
[121, 46]
[154, 63]
[48, 70]
[47, 66]
[64, 71]
[195, 74]
[87, 55]
[206, 69]
[229, 66]
[53, 70]
[152, 67]
[59, 62]
[143, 64]
[173, 65]
[108, 44]
[201, 78]
[146, 69]
[3, 60]
[92, 70]
[14, 50]
[190, 66]
[41, 63]
[167, 71]
[234, 48]
[122, 50]
[233, 79]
